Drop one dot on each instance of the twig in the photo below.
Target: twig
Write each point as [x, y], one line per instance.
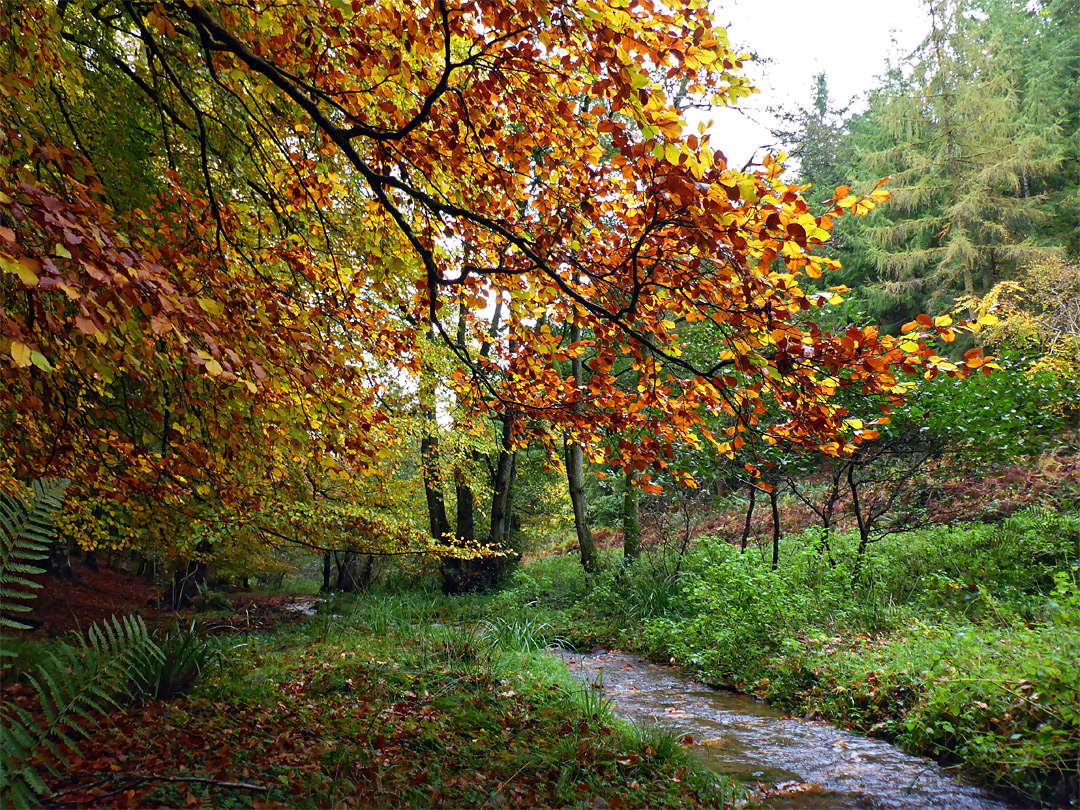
[494, 793]
[137, 780]
[202, 780]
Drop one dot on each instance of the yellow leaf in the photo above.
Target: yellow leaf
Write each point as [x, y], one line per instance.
[943, 320]
[23, 268]
[211, 307]
[20, 352]
[213, 368]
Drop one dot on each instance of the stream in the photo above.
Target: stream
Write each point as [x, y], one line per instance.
[797, 764]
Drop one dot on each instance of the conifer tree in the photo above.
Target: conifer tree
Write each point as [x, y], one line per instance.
[969, 169]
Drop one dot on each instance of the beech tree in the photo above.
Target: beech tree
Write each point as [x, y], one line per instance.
[314, 190]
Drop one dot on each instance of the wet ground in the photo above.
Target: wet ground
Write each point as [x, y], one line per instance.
[797, 763]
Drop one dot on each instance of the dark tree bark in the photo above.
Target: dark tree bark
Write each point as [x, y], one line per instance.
[504, 469]
[188, 580]
[58, 563]
[575, 469]
[508, 518]
[749, 517]
[353, 574]
[466, 509]
[631, 519]
[773, 497]
[327, 562]
[429, 458]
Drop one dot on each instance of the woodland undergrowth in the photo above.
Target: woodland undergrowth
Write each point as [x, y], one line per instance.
[959, 642]
[412, 700]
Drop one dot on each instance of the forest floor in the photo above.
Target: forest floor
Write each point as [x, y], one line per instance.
[379, 702]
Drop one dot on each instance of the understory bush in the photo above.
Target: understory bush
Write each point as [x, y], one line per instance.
[959, 642]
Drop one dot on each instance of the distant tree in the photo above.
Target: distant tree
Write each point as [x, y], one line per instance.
[969, 168]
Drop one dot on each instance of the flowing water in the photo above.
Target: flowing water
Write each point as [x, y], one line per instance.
[808, 765]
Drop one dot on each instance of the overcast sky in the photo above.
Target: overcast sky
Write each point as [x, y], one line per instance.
[850, 40]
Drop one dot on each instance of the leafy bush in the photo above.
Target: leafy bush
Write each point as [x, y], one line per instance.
[185, 658]
[739, 611]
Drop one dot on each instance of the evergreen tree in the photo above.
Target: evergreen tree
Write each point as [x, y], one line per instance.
[970, 169]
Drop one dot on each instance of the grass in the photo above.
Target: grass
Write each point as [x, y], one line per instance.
[389, 702]
[957, 642]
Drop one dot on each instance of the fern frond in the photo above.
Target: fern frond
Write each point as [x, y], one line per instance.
[80, 682]
[27, 521]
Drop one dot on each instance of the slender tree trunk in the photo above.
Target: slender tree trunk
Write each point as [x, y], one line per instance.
[864, 525]
[631, 519]
[429, 460]
[508, 519]
[58, 563]
[326, 570]
[188, 580]
[465, 499]
[429, 454]
[466, 506]
[773, 498]
[575, 467]
[749, 518]
[345, 562]
[575, 476]
[500, 496]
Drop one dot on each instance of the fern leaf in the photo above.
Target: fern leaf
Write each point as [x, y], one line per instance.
[79, 682]
[27, 520]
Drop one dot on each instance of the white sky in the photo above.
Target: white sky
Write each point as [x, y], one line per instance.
[850, 40]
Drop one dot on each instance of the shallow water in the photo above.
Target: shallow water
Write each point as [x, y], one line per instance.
[798, 764]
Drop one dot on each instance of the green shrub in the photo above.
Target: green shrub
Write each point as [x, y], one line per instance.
[185, 658]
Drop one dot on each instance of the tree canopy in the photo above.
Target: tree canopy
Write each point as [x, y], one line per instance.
[235, 236]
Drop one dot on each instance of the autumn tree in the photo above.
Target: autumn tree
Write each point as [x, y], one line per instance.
[1040, 319]
[316, 172]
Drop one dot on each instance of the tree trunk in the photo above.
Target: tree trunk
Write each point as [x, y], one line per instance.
[352, 577]
[429, 458]
[631, 519]
[187, 580]
[326, 570]
[508, 521]
[58, 563]
[466, 506]
[500, 489]
[465, 500]
[90, 560]
[749, 517]
[773, 497]
[465, 576]
[863, 522]
[575, 468]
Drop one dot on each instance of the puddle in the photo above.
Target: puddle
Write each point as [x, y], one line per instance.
[809, 764]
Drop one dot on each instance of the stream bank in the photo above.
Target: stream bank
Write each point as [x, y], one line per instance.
[795, 764]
